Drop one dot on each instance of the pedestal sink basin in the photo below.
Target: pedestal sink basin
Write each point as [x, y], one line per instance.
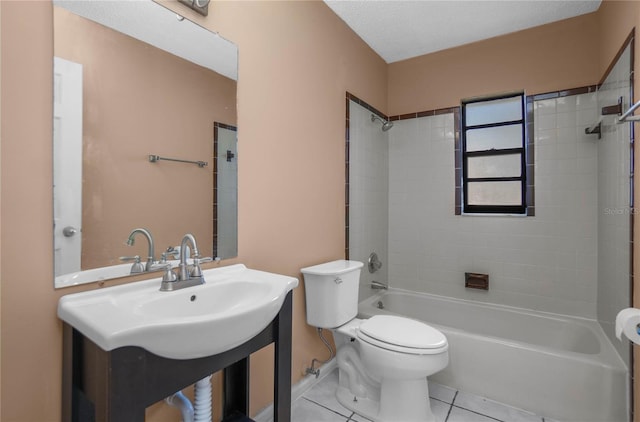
[235, 304]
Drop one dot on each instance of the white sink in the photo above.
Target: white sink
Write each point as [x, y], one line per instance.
[235, 304]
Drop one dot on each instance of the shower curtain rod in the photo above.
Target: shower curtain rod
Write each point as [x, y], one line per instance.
[627, 117]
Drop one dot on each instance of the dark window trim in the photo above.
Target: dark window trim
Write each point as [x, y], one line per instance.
[493, 152]
[496, 124]
[522, 151]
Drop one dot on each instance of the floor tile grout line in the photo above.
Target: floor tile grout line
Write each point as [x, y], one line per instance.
[328, 408]
[451, 406]
[482, 414]
[442, 401]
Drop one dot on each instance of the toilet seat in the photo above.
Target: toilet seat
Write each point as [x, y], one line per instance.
[402, 335]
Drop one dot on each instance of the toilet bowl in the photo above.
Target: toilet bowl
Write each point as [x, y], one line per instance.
[383, 361]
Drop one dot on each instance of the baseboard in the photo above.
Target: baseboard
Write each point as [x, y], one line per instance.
[301, 387]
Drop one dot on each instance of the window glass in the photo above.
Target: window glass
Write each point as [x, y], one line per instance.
[494, 111]
[507, 165]
[494, 193]
[496, 137]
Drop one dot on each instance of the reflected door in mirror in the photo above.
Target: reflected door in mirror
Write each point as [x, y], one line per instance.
[67, 176]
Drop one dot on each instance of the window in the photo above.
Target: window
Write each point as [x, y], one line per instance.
[494, 165]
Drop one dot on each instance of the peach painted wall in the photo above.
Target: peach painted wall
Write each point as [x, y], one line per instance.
[547, 58]
[616, 19]
[140, 100]
[297, 60]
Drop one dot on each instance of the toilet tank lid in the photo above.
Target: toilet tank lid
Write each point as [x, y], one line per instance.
[338, 267]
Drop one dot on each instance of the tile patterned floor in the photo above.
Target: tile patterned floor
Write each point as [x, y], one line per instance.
[319, 404]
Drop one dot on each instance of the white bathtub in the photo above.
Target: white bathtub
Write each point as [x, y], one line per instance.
[556, 366]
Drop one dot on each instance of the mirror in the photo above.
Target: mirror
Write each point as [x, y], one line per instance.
[134, 80]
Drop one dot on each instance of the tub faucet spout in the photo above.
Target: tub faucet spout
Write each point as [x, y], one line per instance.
[376, 285]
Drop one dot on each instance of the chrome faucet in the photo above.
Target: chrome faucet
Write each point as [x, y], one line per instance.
[151, 254]
[184, 273]
[376, 285]
[186, 277]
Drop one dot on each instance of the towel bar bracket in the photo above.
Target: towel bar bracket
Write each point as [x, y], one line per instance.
[597, 129]
[614, 109]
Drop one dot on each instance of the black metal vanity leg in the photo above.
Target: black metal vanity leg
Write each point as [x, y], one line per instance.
[282, 369]
[76, 407]
[236, 388]
[67, 372]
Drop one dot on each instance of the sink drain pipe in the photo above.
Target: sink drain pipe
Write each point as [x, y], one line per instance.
[181, 401]
[203, 400]
[202, 410]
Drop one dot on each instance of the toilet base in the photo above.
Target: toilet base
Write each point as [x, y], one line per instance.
[407, 401]
[361, 405]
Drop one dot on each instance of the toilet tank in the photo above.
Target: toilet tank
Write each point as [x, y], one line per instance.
[331, 291]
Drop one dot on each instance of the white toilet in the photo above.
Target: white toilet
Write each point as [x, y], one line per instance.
[383, 361]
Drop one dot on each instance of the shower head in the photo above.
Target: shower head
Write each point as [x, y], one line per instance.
[386, 124]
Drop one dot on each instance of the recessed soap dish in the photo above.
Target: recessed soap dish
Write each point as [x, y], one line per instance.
[476, 281]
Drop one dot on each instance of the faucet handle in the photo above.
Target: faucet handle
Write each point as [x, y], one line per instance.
[137, 267]
[169, 275]
[172, 251]
[196, 271]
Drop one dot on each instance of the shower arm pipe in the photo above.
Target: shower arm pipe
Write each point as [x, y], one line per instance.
[156, 158]
[627, 116]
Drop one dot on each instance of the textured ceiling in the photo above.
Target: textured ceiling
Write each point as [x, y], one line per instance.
[401, 29]
[156, 25]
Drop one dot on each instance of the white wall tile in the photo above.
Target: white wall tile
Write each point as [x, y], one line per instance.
[368, 193]
[558, 261]
[519, 253]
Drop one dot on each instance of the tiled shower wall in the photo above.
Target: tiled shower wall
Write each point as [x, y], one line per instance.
[614, 204]
[547, 262]
[227, 193]
[368, 193]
